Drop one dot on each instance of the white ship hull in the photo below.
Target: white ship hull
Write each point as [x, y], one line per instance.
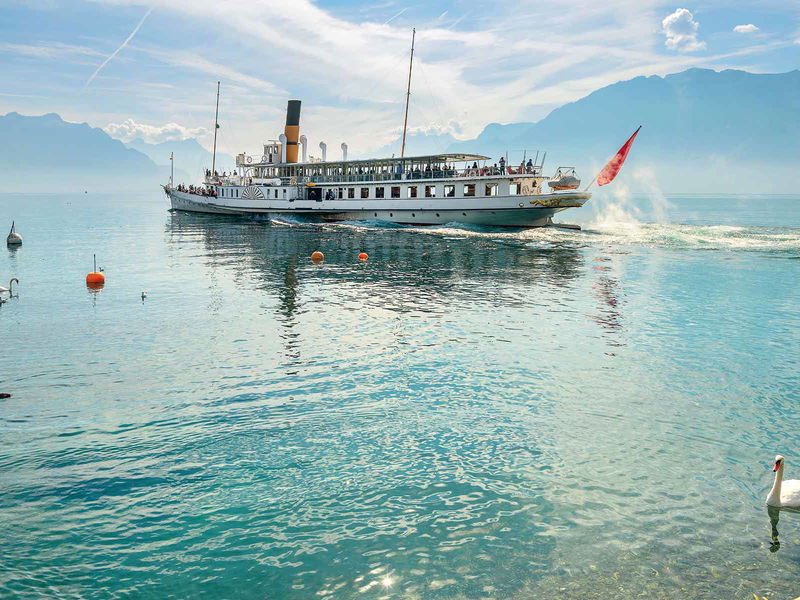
[497, 211]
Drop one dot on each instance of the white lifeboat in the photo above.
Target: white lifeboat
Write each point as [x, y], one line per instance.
[564, 179]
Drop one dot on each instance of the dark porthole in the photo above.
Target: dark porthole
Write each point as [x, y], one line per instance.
[437, 214]
[376, 214]
[463, 214]
[413, 215]
[391, 214]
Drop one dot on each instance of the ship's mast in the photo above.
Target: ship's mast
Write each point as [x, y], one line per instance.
[408, 92]
[216, 126]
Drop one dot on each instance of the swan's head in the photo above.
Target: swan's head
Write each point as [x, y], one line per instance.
[778, 462]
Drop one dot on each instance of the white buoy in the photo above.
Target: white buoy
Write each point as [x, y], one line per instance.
[13, 239]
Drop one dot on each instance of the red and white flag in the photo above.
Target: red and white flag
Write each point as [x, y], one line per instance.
[610, 171]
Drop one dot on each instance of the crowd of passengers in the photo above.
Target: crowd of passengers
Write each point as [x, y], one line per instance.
[499, 168]
[216, 173]
[197, 190]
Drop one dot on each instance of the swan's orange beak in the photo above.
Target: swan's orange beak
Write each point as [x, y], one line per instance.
[777, 466]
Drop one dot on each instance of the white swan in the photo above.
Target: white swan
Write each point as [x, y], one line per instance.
[783, 493]
[10, 288]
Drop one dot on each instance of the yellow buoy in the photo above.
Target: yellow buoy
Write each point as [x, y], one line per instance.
[363, 256]
[317, 255]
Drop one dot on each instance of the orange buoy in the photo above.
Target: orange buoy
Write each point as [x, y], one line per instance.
[96, 277]
[317, 255]
[363, 256]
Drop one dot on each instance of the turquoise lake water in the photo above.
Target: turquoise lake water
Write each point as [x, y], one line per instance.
[471, 413]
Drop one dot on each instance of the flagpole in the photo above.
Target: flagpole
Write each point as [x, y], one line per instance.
[216, 126]
[171, 169]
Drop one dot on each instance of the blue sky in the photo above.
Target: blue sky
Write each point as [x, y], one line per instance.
[476, 63]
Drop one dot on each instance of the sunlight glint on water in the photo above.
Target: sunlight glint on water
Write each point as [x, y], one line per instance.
[471, 413]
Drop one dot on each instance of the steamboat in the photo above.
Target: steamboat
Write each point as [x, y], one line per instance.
[416, 190]
[419, 190]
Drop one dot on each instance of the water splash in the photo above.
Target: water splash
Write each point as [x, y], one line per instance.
[659, 205]
[614, 209]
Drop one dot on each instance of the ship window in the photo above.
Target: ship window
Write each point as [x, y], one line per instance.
[430, 191]
[276, 192]
[351, 192]
[379, 192]
[491, 189]
[395, 191]
[469, 189]
[449, 191]
[365, 192]
[513, 189]
[412, 191]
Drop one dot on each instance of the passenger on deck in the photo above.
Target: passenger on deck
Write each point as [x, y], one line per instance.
[502, 166]
[529, 166]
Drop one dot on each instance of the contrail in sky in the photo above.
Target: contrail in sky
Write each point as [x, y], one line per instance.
[394, 17]
[113, 54]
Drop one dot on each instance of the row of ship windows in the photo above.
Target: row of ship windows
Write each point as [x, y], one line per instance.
[412, 191]
[429, 191]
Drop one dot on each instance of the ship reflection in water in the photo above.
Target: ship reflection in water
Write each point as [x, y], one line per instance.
[380, 368]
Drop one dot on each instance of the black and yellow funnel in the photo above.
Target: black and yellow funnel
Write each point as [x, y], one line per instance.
[292, 130]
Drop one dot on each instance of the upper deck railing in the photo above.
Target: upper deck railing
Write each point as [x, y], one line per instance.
[380, 177]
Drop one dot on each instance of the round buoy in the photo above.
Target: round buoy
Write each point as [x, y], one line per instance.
[95, 277]
[14, 239]
[363, 256]
[317, 255]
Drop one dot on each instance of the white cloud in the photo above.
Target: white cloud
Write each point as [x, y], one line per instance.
[681, 31]
[749, 28]
[49, 50]
[351, 72]
[130, 130]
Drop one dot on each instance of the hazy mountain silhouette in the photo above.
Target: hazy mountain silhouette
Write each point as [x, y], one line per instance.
[190, 156]
[46, 152]
[702, 130]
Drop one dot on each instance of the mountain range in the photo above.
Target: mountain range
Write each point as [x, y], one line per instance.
[703, 131]
[191, 159]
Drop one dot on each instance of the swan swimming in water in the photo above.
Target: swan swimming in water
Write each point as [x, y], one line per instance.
[10, 287]
[783, 493]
